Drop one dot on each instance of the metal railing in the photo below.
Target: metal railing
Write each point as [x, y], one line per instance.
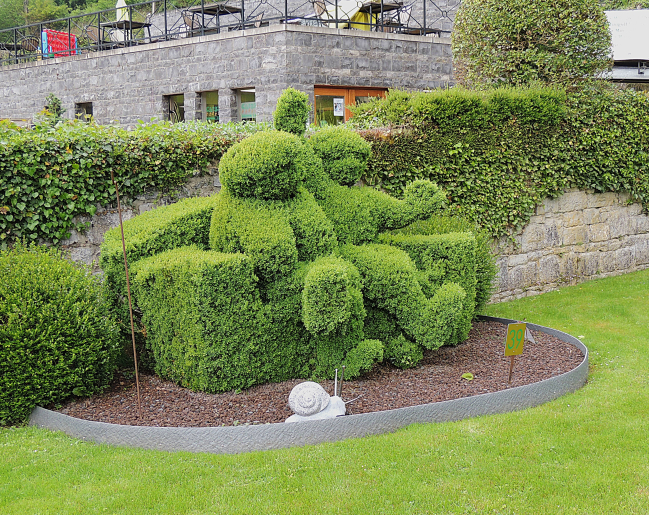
[163, 20]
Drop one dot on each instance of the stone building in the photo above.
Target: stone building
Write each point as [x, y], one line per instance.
[231, 75]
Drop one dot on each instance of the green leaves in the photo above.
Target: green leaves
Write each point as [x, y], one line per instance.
[515, 42]
[56, 338]
[63, 172]
[512, 149]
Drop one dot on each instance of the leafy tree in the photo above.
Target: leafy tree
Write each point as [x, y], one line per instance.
[11, 13]
[44, 10]
[517, 42]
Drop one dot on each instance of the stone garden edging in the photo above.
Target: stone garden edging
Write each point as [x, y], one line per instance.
[234, 440]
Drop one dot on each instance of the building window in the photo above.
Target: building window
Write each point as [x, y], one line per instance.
[83, 111]
[331, 102]
[247, 105]
[175, 108]
[210, 106]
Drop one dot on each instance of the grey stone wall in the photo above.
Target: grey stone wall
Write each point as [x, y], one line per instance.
[129, 84]
[577, 236]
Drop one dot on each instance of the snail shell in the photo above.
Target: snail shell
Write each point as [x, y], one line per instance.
[308, 398]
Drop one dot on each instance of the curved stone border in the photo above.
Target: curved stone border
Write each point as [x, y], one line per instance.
[233, 440]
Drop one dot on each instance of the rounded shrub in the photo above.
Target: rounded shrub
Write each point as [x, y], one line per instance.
[56, 339]
[343, 152]
[267, 165]
[292, 112]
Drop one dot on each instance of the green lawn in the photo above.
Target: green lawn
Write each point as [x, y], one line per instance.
[584, 453]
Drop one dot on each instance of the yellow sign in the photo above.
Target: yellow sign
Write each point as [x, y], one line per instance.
[515, 339]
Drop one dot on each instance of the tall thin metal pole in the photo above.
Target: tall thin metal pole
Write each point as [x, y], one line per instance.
[128, 290]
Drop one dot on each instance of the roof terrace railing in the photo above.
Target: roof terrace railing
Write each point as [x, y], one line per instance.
[164, 20]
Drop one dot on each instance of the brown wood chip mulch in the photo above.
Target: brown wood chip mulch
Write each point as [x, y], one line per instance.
[437, 378]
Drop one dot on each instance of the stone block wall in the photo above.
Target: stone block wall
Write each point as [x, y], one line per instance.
[577, 236]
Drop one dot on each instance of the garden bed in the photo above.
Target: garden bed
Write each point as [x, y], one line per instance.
[437, 378]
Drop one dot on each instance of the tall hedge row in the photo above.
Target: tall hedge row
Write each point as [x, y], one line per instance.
[49, 175]
[499, 153]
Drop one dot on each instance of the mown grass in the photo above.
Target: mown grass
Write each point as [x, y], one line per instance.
[586, 453]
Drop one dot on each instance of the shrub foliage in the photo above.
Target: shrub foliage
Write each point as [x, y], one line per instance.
[500, 153]
[292, 112]
[56, 339]
[284, 287]
[515, 42]
[50, 175]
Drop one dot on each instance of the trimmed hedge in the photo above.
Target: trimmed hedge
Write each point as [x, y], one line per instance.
[344, 153]
[265, 166]
[56, 337]
[485, 265]
[274, 234]
[390, 283]
[185, 223]
[500, 153]
[440, 259]
[360, 214]
[200, 310]
[50, 175]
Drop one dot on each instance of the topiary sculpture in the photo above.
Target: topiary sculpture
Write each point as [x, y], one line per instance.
[292, 112]
[294, 261]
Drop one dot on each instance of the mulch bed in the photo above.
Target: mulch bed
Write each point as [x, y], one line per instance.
[437, 378]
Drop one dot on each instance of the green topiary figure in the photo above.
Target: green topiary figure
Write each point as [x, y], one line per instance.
[264, 214]
[292, 112]
[405, 283]
[344, 153]
[294, 262]
[56, 339]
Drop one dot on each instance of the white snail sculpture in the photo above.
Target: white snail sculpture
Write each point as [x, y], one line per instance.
[310, 401]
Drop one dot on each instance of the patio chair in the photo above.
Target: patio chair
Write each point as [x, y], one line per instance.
[193, 26]
[29, 45]
[92, 33]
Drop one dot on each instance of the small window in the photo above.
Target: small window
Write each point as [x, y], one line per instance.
[210, 106]
[176, 108]
[329, 109]
[248, 106]
[83, 111]
[331, 102]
